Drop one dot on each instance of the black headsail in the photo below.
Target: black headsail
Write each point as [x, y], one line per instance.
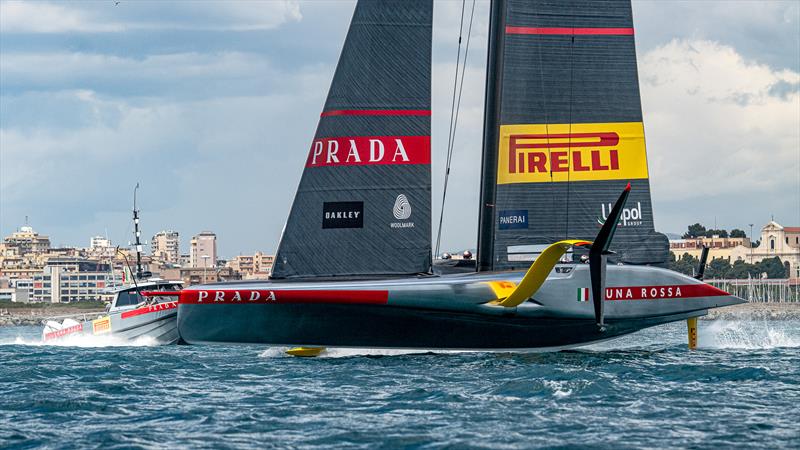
[363, 206]
[566, 134]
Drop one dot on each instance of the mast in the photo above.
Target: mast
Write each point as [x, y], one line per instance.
[491, 118]
[138, 242]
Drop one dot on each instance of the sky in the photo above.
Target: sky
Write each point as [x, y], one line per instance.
[211, 107]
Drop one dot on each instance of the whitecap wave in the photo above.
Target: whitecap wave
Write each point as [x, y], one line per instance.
[80, 340]
[746, 335]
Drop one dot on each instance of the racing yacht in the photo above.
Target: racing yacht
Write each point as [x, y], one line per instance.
[567, 255]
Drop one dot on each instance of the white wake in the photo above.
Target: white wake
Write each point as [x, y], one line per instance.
[746, 335]
[86, 341]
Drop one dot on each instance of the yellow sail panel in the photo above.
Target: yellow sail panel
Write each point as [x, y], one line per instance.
[582, 152]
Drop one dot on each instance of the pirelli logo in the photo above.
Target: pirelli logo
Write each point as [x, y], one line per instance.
[583, 152]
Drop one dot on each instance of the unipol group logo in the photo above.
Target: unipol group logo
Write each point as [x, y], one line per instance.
[630, 217]
[580, 152]
[369, 150]
[402, 211]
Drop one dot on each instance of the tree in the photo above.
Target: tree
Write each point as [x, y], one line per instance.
[741, 270]
[773, 267]
[694, 231]
[685, 265]
[718, 268]
[720, 233]
[737, 233]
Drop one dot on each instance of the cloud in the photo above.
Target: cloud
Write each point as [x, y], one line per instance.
[108, 16]
[216, 124]
[194, 75]
[761, 31]
[36, 17]
[710, 113]
[720, 126]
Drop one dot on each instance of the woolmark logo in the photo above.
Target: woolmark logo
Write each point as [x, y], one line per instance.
[402, 209]
[630, 217]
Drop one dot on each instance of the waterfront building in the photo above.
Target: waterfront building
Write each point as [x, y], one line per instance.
[26, 240]
[99, 242]
[165, 246]
[184, 261]
[719, 247]
[253, 267]
[65, 280]
[203, 250]
[776, 240]
[202, 275]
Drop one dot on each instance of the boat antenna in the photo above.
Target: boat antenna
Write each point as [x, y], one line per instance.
[454, 109]
[138, 233]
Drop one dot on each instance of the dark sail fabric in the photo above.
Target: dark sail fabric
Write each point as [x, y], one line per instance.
[569, 133]
[363, 206]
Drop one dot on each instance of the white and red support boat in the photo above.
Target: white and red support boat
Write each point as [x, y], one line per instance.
[143, 310]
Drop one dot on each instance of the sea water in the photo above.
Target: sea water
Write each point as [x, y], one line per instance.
[740, 389]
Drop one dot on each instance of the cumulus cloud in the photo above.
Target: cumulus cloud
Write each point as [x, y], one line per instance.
[216, 125]
[168, 75]
[718, 120]
[108, 16]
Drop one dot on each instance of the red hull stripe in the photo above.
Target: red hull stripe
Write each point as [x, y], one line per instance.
[244, 297]
[662, 292]
[150, 309]
[376, 112]
[571, 31]
[161, 293]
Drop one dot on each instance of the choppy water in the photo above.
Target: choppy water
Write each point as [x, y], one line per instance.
[741, 389]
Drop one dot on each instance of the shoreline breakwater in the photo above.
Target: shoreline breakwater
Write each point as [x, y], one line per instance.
[36, 316]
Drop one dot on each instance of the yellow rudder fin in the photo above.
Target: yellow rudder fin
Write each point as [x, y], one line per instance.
[691, 325]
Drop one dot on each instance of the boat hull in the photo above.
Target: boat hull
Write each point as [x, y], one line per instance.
[392, 327]
[153, 322]
[449, 312]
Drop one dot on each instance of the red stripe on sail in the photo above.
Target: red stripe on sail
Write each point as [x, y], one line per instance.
[376, 112]
[571, 31]
[680, 291]
[369, 150]
[246, 296]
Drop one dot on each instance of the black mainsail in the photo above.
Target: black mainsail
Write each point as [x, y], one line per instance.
[363, 206]
[563, 132]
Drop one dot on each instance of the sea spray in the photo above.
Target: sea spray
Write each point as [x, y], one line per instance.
[745, 335]
[82, 341]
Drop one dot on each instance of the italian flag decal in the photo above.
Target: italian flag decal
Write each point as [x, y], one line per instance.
[583, 294]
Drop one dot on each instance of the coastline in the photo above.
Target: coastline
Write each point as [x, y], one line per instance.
[27, 316]
[756, 311]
